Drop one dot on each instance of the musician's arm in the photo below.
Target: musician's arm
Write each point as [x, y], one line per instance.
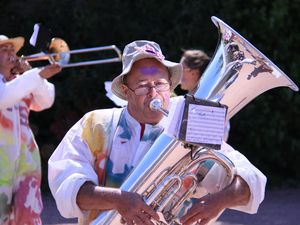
[236, 194]
[13, 91]
[69, 167]
[251, 176]
[128, 204]
[44, 94]
[245, 193]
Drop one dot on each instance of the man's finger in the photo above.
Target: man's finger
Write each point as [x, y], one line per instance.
[151, 212]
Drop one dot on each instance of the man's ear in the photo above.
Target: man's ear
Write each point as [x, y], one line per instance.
[170, 83]
[125, 90]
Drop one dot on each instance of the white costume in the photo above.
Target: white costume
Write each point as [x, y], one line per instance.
[20, 166]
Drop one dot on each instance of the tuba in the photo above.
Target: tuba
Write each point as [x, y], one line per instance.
[174, 171]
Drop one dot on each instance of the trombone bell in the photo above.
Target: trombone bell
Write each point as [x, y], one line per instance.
[59, 47]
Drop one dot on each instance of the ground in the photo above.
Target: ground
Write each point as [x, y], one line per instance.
[280, 207]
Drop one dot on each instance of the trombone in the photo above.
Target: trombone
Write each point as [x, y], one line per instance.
[59, 52]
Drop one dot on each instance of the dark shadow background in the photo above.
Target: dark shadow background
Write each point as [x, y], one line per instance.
[266, 131]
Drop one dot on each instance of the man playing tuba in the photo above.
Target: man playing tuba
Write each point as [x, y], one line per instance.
[101, 149]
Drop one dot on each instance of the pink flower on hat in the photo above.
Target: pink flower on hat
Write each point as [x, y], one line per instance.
[149, 49]
[227, 35]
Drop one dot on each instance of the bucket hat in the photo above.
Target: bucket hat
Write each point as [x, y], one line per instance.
[142, 49]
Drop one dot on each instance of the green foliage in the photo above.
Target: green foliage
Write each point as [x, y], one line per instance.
[266, 131]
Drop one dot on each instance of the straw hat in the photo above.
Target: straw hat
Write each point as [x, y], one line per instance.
[17, 42]
[140, 50]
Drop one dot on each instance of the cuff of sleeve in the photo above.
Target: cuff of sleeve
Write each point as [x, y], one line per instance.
[255, 179]
[34, 75]
[66, 196]
[256, 183]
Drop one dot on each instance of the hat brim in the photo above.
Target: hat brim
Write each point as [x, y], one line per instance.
[175, 70]
[17, 42]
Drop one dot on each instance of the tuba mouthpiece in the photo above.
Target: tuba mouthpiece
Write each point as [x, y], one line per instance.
[156, 105]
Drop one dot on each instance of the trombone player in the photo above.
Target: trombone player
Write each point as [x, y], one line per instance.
[21, 89]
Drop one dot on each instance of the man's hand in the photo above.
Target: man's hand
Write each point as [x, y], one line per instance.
[20, 66]
[204, 210]
[134, 210]
[211, 205]
[130, 205]
[50, 70]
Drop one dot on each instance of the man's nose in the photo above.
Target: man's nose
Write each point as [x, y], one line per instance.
[152, 91]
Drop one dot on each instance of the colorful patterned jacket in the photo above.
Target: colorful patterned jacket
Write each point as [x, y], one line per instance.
[20, 166]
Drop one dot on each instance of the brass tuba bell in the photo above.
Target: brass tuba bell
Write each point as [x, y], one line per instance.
[238, 72]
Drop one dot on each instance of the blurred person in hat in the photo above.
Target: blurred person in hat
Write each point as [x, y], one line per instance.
[194, 63]
[97, 154]
[20, 166]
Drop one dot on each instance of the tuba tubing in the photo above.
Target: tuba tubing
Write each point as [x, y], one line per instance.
[236, 75]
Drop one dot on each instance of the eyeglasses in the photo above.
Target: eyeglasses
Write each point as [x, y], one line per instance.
[159, 86]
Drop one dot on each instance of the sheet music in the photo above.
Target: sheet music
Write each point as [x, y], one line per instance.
[205, 124]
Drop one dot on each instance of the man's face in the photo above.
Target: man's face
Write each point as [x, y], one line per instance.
[7, 56]
[145, 75]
